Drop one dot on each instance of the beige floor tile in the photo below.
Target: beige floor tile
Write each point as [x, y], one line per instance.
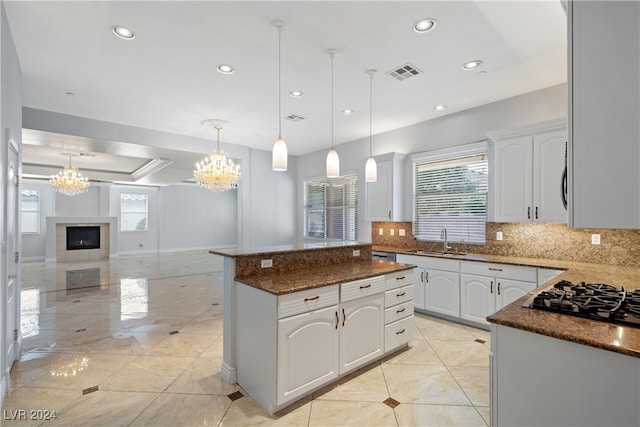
[461, 353]
[202, 377]
[474, 382]
[173, 410]
[79, 371]
[479, 333]
[338, 413]
[485, 413]
[130, 343]
[419, 353]
[183, 345]
[104, 408]
[423, 384]
[246, 412]
[366, 385]
[215, 349]
[46, 402]
[207, 325]
[163, 323]
[438, 416]
[82, 341]
[30, 367]
[147, 373]
[433, 328]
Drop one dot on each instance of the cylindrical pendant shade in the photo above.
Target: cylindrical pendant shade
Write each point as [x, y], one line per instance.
[371, 170]
[333, 164]
[279, 155]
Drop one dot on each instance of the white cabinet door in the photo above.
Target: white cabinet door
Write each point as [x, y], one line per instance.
[419, 289]
[507, 291]
[513, 180]
[548, 164]
[477, 299]
[361, 331]
[307, 352]
[442, 292]
[380, 194]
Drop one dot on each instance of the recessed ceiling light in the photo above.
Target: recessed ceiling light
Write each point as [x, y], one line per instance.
[225, 69]
[424, 25]
[347, 112]
[123, 32]
[440, 107]
[296, 94]
[472, 65]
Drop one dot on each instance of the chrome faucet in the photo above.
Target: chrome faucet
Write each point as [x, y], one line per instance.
[443, 236]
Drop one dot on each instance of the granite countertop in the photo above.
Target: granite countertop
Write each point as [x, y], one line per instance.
[600, 334]
[296, 247]
[315, 277]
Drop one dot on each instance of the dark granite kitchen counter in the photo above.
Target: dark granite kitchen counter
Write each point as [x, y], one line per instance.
[600, 334]
[279, 283]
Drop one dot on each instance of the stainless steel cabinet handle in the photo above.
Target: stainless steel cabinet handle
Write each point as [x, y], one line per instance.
[528, 212]
[389, 214]
[365, 286]
[536, 212]
[427, 276]
[312, 298]
[498, 288]
[491, 288]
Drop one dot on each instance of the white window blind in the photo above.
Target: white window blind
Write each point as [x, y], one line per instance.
[134, 212]
[331, 208]
[451, 193]
[30, 211]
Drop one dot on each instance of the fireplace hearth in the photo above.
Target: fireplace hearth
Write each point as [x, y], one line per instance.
[84, 237]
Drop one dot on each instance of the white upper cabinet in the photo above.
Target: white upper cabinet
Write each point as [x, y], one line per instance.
[604, 107]
[384, 197]
[528, 163]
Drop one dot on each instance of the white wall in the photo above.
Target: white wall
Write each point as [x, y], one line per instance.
[193, 217]
[10, 123]
[448, 131]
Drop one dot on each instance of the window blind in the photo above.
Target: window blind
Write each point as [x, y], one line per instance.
[331, 208]
[451, 193]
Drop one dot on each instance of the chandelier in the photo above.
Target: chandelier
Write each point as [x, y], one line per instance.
[69, 181]
[217, 172]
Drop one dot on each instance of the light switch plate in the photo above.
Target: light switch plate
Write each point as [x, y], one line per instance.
[499, 235]
[381, 231]
[356, 252]
[266, 263]
[595, 239]
[392, 232]
[401, 232]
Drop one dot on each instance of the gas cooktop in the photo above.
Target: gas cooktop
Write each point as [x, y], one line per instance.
[595, 301]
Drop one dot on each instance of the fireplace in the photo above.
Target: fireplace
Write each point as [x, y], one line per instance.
[84, 237]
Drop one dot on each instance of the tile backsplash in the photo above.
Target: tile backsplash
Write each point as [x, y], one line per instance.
[550, 241]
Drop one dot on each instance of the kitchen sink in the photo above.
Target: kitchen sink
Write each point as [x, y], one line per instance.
[436, 253]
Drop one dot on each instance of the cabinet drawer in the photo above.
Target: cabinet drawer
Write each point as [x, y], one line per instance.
[398, 312]
[503, 271]
[436, 263]
[309, 300]
[398, 296]
[399, 278]
[361, 288]
[398, 333]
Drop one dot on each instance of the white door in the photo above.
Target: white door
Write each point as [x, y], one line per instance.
[11, 257]
[361, 331]
[442, 292]
[307, 352]
[507, 291]
[548, 160]
[477, 297]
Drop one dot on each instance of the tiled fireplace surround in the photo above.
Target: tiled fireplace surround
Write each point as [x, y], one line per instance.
[547, 241]
[56, 250]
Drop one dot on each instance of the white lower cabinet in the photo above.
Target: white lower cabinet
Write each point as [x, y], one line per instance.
[290, 345]
[361, 331]
[486, 288]
[308, 347]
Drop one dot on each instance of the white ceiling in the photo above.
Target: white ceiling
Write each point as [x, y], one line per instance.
[165, 78]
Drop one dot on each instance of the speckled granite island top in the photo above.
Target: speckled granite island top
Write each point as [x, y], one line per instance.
[280, 283]
[295, 247]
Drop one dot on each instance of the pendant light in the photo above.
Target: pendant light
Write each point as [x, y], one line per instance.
[279, 152]
[333, 161]
[371, 168]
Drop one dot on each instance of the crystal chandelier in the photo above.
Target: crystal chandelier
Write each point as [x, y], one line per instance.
[69, 181]
[216, 172]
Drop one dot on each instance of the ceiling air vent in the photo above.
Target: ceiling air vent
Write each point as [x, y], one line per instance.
[404, 72]
[294, 118]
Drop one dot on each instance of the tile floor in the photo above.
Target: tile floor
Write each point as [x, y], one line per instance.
[146, 333]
